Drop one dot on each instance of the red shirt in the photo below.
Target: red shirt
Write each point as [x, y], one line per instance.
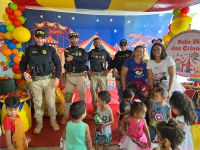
[9, 123]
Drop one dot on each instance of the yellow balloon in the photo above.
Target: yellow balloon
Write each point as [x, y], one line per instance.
[9, 35]
[22, 34]
[166, 38]
[7, 22]
[20, 54]
[179, 25]
[5, 16]
[189, 19]
[166, 43]
[17, 76]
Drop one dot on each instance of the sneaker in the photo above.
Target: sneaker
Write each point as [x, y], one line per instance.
[54, 125]
[38, 128]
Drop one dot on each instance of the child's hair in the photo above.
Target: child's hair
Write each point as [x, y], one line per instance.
[133, 87]
[184, 105]
[77, 109]
[104, 96]
[172, 131]
[162, 91]
[128, 93]
[12, 102]
[136, 107]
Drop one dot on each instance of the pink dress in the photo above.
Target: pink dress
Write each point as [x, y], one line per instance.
[135, 139]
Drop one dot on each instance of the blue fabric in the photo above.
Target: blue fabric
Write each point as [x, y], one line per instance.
[91, 4]
[198, 113]
[152, 132]
[136, 72]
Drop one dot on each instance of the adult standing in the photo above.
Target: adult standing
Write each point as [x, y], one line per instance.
[161, 69]
[98, 71]
[42, 59]
[75, 67]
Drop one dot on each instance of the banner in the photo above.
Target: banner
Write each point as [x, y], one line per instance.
[184, 48]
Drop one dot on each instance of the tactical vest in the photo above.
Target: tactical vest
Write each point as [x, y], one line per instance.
[40, 61]
[74, 66]
[121, 58]
[98, 61]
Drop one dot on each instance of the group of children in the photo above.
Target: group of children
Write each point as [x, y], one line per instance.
[140, 124]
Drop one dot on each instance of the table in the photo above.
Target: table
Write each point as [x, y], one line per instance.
[7, 86]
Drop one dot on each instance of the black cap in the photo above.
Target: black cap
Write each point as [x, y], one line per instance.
[40, 33]
[123, 42]
[73, 35]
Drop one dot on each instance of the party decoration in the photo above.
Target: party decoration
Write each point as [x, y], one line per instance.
[12, 17]
[166, 38]
[176, 11]
[9, 35]
[17, 59]
[17, 13]
[22, 19]
[12, 57]
[5, 17]
[10, 28]
[9, 11]
[18, 45]
[6, 41]
[11, 45]
[6, 52]
[15, 41]
[13, 6]
[16, 69]
[7, 22]
[185, 10]
[16, 22]
[2, 35]
[15, 51]
[11, 63]
[2, 28]
[17, 76]
[179, 25]
[20, 54]
[22, 34]
[7, 63]
[21, 7]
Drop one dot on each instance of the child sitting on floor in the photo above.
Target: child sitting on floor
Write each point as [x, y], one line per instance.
[13, 125]
[76, 134]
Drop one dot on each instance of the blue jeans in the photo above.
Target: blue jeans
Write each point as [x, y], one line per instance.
[152, 131]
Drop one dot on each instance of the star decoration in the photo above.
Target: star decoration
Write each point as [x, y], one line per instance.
[115, 31]
[128, 21]
[73, 18]
[111, 20]
[159, 31]
[97, 20]
[59, 16]
[41, 16]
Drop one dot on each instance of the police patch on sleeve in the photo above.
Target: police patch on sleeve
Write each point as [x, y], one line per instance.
[79, 54]
[44, 52]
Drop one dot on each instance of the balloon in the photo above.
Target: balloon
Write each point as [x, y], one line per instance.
[7, 63]
[6, 41]
[185, 10]
[182, 15]
[6, 52]
[11, 63]
[174, 17]
[4, 46]
[9, 35]
[166, 38]
[21, 7]
[17, 76]
[9, 4]
[17, 13]
[11, 17]
[11, 45]
[22, 19]
[2, 35]
[21, 81]
[176, 12]
[7, 22]
[12, 57]
[3, 28]
[20, 54]
[21, 34]
[16, 69]
[17, 59]
[16, 23]
[5, 17]
[10, 28]
[15, 41]
[19, 45]
[9, 11]
[20, 49]
[179, 25]
[171, 34]
[189, 27]
[189, 19]
[13, 6]
[165, 44]
[15, 51]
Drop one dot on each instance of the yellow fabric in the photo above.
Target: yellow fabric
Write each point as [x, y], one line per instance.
[3, 5]
[195, 129]
[129, 5]
[60, 3]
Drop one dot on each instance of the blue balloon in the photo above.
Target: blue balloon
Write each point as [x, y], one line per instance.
[3, 28]
[12, 56]
[11, 45]
[7, 41]
[20, 50]
[11, 63]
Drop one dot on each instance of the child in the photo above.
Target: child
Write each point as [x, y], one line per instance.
[170, 135]
[103, 134]
[159, 110]
[137, 137]
[128, 95]
[13, 125]
[134, 88]
[184, 110]
[77, 133]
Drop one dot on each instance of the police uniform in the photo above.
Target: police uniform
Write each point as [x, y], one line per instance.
[41, 61]
[75, 73]
[98, 59]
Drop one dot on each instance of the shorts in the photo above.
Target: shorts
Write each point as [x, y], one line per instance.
[103, 139]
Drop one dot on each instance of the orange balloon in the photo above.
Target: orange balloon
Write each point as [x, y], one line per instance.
[15, 51]
[4, 46]
[2, 35]
[17, 13]
[6, 52]
[17, 59]
[182, 15]
[189, 27]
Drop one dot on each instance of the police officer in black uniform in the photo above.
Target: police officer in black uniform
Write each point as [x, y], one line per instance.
[75, 67]
[98, 70]
[42, 59]
[118, 61]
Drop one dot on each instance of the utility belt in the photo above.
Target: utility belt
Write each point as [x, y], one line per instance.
[37, 78]
[70, 74]
[42, 69]
[98, 73]
[74, 68]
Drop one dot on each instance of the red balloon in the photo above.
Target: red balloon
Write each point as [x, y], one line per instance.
[21, 7]
[16, 69]
[185, 10]
[12, 17]
[28, 71]
[21, 81]
[16, 23]
[15, 41]
[9, 11]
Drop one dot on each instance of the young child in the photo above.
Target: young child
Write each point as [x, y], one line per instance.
[77, 133]
[13, 125]
[103, 133]
[134, 88]
[137, 137]
[170, 135]
[125, 105]
[159, 110]
[185, 115]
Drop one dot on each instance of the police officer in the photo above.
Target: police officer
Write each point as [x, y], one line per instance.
[75, 66]
[42, 59]
[118, 61]
[98, 70]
